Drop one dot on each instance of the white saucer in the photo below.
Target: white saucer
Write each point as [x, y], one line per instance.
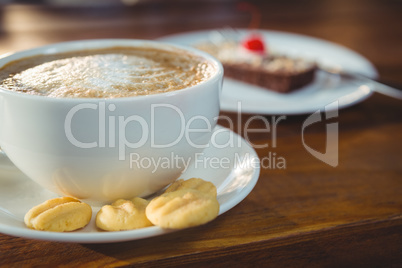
[229, 162]
[323, 91]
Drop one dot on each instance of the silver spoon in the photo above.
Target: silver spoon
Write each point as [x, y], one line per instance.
[374, 85]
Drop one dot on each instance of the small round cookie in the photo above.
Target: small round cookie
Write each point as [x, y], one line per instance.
[193, 183]
[123, 215]
[182, 209]
[62, 214]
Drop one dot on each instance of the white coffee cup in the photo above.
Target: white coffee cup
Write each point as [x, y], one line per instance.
[99, 150]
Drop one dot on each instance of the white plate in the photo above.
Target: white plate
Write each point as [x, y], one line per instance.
[233, 169]
[323, 91]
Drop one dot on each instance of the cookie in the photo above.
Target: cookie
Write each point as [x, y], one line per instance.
[123, 215]
[62, 214]
[182, 208]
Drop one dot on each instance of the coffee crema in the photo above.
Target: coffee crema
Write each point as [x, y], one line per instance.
[106, 73]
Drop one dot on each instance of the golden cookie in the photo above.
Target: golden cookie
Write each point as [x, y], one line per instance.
[193, 183]
[182, 208]
[62, 214]
[123, 215]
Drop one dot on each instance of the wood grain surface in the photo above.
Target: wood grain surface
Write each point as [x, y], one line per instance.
[308, 214]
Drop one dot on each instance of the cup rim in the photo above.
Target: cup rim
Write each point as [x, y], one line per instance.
[70, 46]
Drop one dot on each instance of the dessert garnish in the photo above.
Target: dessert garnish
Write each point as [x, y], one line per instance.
[254, 43]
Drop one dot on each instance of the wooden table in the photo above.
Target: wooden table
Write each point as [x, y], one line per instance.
[309, 214]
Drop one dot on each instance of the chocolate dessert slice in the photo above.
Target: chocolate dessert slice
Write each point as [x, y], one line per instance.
[251, 63]
[284, 80]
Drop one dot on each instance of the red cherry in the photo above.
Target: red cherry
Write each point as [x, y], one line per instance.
[254, 43]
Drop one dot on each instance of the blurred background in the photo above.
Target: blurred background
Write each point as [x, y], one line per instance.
[368, 26]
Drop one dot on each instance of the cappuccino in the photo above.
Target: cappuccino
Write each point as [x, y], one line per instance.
[106, 73]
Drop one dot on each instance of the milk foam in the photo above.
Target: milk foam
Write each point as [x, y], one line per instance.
[108, 75]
